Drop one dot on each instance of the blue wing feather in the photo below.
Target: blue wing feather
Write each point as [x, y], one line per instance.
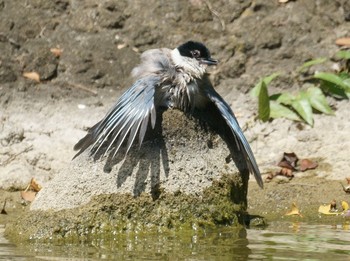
[128, 117]
[237, 132]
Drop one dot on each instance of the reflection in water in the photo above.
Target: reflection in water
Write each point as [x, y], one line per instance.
[8, 250]
[281, 241]
[299, 241]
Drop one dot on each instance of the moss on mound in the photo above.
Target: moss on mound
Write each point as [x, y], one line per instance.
[108, 215]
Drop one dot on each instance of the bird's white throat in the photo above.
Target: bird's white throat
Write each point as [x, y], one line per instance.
[190, 65]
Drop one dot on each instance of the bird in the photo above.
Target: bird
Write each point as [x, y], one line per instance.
[169, 79]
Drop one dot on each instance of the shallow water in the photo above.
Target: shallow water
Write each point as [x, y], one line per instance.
[280, 241]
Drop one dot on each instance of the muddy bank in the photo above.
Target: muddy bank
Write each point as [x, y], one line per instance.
[100, 41]
[179, 179]
[108, 215]
[179, 156]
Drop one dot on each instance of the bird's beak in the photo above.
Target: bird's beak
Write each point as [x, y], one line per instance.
[209, 61]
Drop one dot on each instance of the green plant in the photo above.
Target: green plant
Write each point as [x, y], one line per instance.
[301, 105]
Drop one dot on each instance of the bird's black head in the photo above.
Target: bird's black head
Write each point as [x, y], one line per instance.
[197, 51]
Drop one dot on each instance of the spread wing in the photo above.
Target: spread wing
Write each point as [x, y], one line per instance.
[221, 115]
[128, 118]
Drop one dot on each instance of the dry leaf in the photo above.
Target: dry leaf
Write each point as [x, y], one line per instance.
[285, 172]
[28, 195]
[326, 210]
[56, 51]
[306, 164]
[34, 185]
[331, 209]
[345, 41]
[30, 192]
[345, 205]
[289, 160]
[32, 75]
[270, 176]
[283, 1]
[294, 211]
[121, 46]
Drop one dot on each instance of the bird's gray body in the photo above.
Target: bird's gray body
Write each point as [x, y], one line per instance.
[167, 80]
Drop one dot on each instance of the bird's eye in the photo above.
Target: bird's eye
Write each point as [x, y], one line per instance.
[196, 54]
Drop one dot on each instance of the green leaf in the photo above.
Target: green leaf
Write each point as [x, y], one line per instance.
[344, 75]
[347, 82]
[280, 111]
[335, 79]
[256, 90]
[311, 63]
[333, 90]
[270, 78]
[303, 107]
[343, 54]
[286, 98]
[275, 96]
[264, 103]
[318, 101]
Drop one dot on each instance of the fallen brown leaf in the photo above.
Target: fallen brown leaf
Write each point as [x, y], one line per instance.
[30, 192]
[56, 51]
[289, 161]
[270, 176]
[285, 172]
[306, 164]
[294, 211]
[121, 46]
[345, 41]
[34, 185]
[32, 75]
[28, 195]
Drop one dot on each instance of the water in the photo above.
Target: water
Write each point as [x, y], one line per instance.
[280, 241]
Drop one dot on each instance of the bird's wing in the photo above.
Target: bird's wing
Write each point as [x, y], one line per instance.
[128, 118]
[229, 118]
